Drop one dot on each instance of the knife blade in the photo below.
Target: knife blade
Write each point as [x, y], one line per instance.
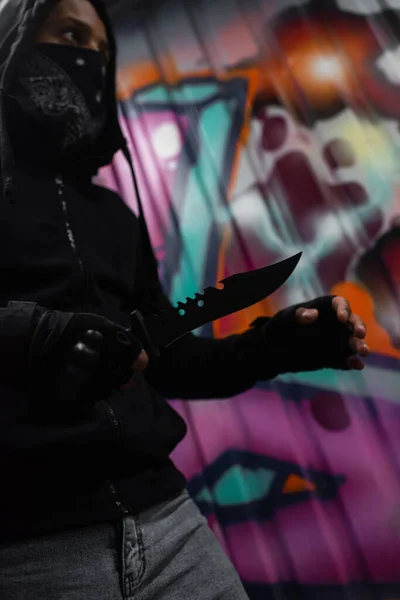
[157, 331]
[239, 291]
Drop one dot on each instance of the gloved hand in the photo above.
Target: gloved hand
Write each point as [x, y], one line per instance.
[44, 342]
[290, 343]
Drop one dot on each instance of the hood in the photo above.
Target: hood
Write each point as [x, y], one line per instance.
[19, 22]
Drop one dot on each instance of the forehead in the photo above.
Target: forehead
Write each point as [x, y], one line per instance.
[83, 10]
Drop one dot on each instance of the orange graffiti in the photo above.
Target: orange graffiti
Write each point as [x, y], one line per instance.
[378, 339]
[238, 322]
[304, 57]
[295, 484]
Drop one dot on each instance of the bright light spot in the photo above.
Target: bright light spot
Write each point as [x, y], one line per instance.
[167, 141]
[331, 228]
[388, 63]
[327, 67]
[171, 165]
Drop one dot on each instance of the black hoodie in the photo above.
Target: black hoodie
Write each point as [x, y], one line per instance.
[55, 475]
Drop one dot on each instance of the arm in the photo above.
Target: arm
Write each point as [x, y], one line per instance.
[42, 352]
[201, 368]
[322, 333]
[17, 321]
[196, 367]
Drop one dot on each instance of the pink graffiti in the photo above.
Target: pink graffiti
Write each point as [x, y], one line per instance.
[353, 537]
[350, 538]
[156, 161]
[304, 201]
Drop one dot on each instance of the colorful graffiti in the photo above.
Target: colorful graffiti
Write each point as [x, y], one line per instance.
[260, 129]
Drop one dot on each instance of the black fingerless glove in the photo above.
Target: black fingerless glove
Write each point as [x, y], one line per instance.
[35, 344]
[280, 344]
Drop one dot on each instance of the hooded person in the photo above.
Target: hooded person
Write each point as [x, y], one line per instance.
[91, 504]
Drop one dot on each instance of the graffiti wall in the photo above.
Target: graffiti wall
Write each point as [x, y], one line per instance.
[260, 128]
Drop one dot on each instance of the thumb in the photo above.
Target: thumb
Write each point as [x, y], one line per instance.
[306, 315]
[141, 362]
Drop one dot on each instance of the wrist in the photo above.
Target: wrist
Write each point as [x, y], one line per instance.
[253, 353]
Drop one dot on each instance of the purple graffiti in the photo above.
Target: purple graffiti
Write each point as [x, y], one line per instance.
[345, 537]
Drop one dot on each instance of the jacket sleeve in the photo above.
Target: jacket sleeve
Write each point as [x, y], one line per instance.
[16, 325]
[202, 368]
[198, 367]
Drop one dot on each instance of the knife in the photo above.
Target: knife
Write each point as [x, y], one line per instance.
[239, 291]
[160, 330]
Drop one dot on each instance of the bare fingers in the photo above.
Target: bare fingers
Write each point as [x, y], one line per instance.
[355, 363]
[358, 325]
[342, 308]
[358, 346]
[305, 316]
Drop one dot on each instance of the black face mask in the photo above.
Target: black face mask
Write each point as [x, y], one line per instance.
[59, 95]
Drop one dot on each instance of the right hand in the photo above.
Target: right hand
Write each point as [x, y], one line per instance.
[84, 358]
[81, 356]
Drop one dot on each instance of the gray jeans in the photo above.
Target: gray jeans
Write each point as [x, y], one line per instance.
[165, 553]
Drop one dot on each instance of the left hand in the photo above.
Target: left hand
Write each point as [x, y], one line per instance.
[319, 334]
[357, 329]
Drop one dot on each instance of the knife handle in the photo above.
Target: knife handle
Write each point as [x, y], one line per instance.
[138, 329]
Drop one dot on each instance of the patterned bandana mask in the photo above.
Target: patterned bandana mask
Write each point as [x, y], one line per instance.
[60, 94]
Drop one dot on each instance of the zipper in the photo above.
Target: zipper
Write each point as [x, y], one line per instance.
[116, 497]
[71, 238]
[113, 416]
[110, 484]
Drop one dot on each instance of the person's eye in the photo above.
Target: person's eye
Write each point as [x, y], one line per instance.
[73, 35]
